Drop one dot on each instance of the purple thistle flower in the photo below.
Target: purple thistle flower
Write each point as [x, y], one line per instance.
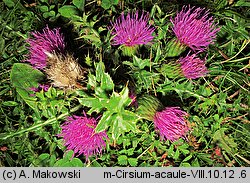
[132, 96]
[44, 87]
[35, 90]
[193, 28]
[171, 123]
[46, 41]
[79, 135]
[132, 30]
[192, 67]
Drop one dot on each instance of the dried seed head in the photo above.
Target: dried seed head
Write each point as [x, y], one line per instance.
[63, 71]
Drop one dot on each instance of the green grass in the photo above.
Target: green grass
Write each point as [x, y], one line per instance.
[218, 105]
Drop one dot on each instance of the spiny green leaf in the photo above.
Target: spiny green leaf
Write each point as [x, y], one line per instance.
[92, 37]
[96, 104]
[138, 62]
[107, 82]
[99, 71]
[123, 122]
[104, 122]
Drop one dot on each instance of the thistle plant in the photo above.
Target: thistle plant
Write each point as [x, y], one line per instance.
[47, 53]
[144, 99]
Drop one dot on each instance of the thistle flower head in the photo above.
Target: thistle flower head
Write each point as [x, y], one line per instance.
[194, 28]
[171, 70]
[79, 135]
[46, 41]
[171, 123]
[192, 67]
[132, 30]
[63, 71]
